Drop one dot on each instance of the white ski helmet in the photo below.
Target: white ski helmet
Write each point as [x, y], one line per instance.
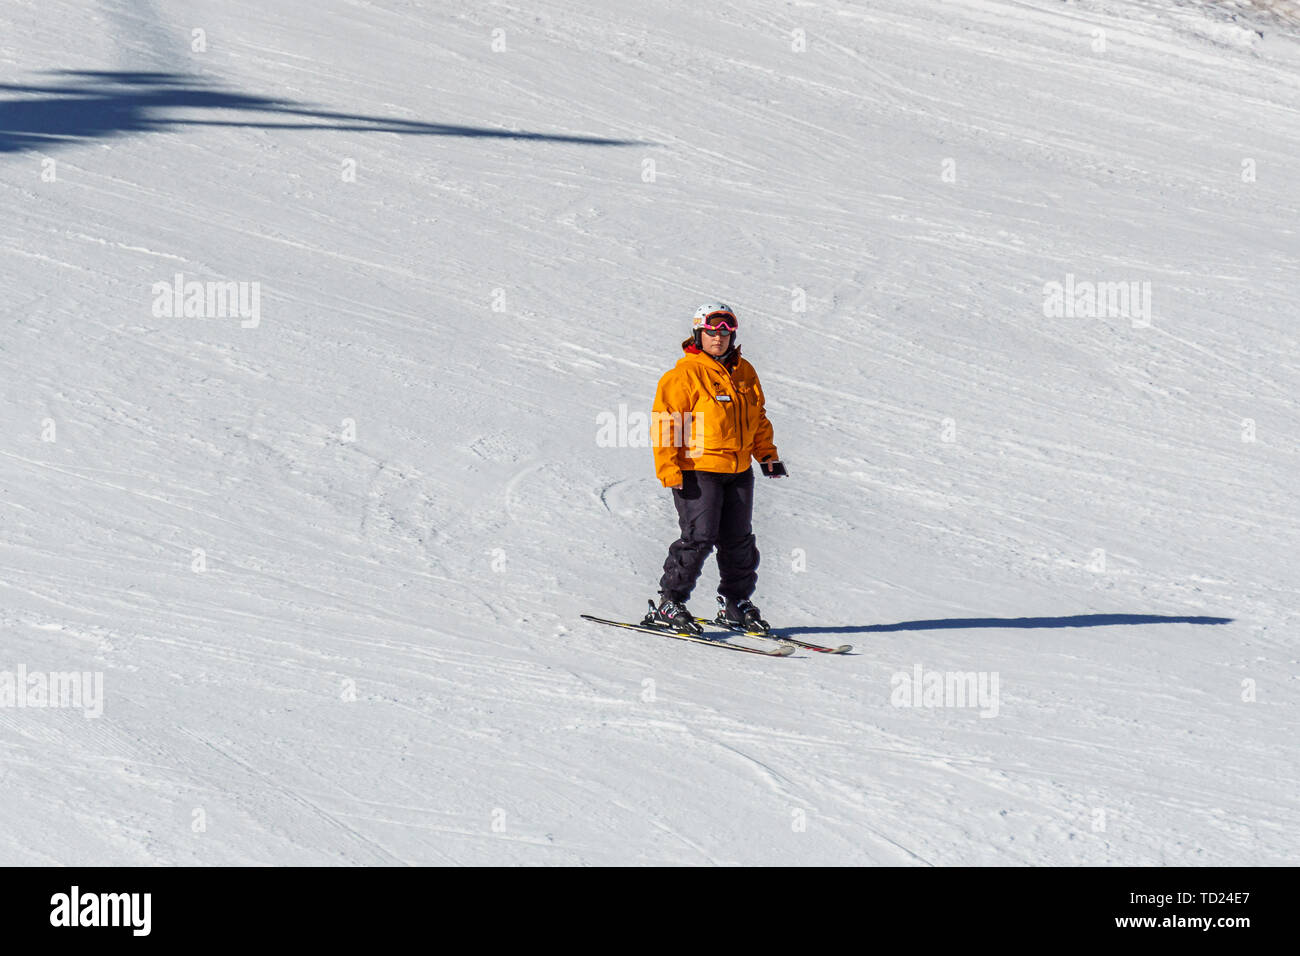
[711, 315]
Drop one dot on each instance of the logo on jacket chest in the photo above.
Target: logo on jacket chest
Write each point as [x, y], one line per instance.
[720, 391]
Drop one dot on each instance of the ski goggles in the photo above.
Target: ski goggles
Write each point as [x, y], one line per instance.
[718, 322]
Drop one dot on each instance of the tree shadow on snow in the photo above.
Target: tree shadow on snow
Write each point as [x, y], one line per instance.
[83, 105]
[954, 623]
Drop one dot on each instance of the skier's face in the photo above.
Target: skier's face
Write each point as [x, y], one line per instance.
[715, 343]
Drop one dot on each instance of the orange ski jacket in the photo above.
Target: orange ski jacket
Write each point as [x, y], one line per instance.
[708, 417]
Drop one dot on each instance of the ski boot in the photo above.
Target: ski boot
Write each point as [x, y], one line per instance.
[741, 614]
[672, 616]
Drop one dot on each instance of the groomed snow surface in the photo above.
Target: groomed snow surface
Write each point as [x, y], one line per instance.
[325, 558]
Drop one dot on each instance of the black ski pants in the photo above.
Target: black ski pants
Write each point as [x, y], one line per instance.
[713, 508]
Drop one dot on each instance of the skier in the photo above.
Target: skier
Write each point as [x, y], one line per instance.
[712, 424]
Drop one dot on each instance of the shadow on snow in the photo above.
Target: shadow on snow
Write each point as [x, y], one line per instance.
[85, 105]
[956, 623]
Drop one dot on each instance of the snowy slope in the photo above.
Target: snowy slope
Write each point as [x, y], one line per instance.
[329, 565]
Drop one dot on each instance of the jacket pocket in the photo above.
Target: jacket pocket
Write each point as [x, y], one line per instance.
[751, 401]
[717, 430]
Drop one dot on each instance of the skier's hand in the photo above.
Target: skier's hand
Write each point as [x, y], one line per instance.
[676, 487]
[773, 468]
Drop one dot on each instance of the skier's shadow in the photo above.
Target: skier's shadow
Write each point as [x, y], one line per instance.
[92, 104]
[956, 623]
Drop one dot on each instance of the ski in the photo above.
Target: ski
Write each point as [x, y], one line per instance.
[782, 650]
[712, 622]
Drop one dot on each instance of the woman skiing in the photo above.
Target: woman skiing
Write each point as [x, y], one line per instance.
[709, 408]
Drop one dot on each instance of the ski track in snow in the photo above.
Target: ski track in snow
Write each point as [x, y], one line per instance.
[377, 660]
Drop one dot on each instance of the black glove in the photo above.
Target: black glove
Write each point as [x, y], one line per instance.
[772, 467]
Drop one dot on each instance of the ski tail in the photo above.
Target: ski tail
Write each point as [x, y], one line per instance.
[769, 636]
[778, 651]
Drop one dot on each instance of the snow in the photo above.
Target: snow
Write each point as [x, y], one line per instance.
[330, 563]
